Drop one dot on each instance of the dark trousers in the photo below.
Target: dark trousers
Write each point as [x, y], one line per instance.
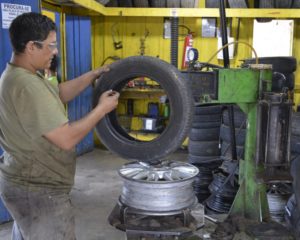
[43, 214]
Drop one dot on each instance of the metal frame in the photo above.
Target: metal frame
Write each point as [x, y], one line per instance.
[98, 8]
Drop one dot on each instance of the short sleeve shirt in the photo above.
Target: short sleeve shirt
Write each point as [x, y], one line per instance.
[29, 108]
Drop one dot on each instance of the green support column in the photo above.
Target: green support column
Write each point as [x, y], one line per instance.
[244, 87]
[251, 199]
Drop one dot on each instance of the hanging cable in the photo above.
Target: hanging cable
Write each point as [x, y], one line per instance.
[235, 42]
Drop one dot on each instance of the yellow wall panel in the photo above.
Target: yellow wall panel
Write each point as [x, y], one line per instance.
[130, 30]
[49, 14]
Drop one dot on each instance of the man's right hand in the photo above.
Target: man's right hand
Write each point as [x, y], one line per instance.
[109, 100]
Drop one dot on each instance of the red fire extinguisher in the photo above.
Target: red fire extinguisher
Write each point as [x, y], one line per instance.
[188, 44]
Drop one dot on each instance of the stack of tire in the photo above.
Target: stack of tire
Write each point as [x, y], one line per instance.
[279, 4]
[292, 209]
[203, 147]
[225, 179]
[292, 216]
[295, 135]
[149, 3]
[283, 71]
[277, 196]
[240, 120]
[223, 190]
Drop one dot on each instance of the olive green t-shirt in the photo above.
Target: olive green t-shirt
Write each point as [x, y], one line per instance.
[29, 108]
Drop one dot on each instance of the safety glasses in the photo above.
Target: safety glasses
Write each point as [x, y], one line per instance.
[51, 46]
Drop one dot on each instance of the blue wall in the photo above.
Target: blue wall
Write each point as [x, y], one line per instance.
[78, 51]
[5, 47]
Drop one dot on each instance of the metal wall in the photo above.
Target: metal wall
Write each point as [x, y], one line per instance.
[78, 57]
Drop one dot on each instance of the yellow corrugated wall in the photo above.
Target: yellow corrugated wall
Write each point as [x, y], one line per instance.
[132, 29]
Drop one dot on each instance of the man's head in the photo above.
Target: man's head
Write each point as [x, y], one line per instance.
[29, 27]
[33, 38]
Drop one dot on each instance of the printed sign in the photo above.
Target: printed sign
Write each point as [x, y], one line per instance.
[11, 11]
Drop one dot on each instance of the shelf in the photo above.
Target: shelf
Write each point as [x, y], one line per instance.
[151, 136]
[186, 12]
[142, 93]
[143, 136]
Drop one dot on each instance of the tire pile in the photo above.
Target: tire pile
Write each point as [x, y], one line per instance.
[295, 135]
[292, 209]
[223, 190]
[210, 150]
[150, 3]
[277, 196]
[203, 147]
[225, 179]
[283, 71]
[240, 120]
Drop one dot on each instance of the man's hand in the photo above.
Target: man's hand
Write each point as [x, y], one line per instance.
[109, 100]
[99, 71]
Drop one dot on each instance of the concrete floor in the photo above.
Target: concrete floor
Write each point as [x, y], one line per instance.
[95, 193]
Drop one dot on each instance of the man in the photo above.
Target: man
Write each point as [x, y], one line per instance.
[37, 172]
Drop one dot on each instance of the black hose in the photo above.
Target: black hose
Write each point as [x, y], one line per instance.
[224, 34]
[174, 41]
[232, 132]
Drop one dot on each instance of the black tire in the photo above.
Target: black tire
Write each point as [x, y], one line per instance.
[173, 3]
[296, 123]
[292, 216]
[240, 134]
[295, 144]
[125, 3]
[238, 3]
[112, 3]
[204, 134]
[114, 137]
[226, 151]
[141, 3]
[284, 3]
[206, 118]
[208, 109]
[158, 3]
[282, 80]
[296, 4]
[295, 168]
[206, 124]
[210, 162]
[212, 3]
[103, 2]
[280, 64]
[266, 3]
[204, 148]
[240, 118]
[187, 3]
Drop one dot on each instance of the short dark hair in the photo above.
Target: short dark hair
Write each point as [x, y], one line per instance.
[29, 27]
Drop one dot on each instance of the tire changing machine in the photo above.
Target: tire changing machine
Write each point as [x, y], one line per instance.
[267, 146]
[250, 89]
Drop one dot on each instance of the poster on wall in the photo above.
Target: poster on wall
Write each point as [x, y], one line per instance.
[274, 38]
[11, 11]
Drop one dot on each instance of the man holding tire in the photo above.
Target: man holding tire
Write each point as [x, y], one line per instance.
[38, 168]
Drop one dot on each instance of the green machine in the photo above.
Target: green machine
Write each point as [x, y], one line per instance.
[266, 158]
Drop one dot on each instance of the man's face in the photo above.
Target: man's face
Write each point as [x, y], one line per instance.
[44, 51]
